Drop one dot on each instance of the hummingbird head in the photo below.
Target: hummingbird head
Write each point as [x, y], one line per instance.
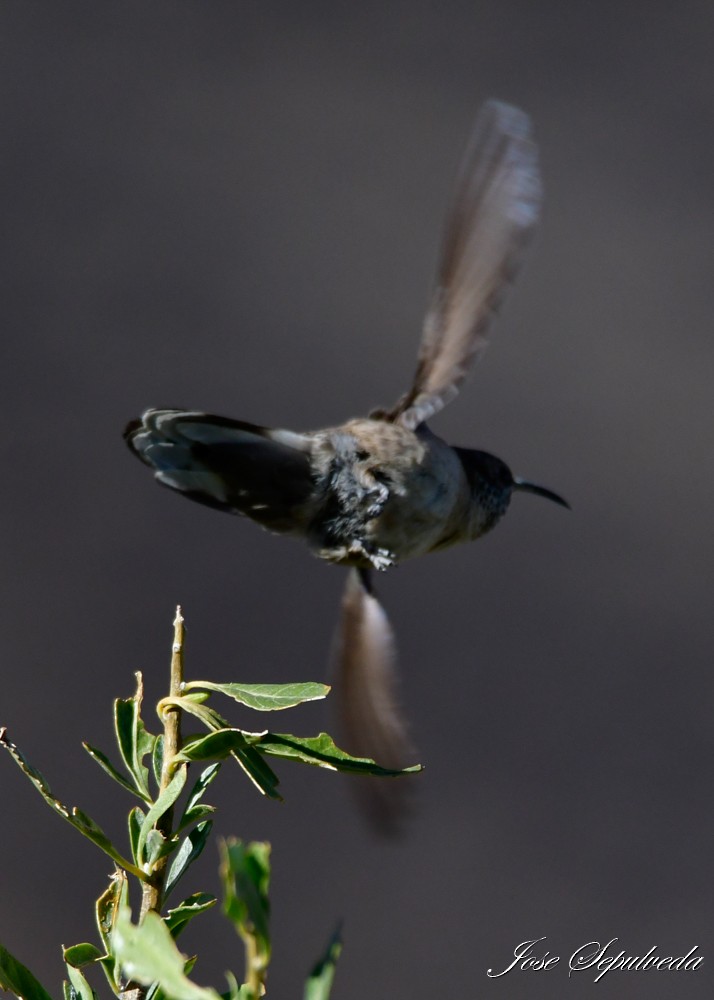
[492, 484]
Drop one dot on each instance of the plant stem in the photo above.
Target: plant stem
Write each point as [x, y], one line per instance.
[153, 889]
[255, 977]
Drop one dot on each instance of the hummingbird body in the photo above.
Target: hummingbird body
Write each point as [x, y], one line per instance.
[369, 493]
[385, 493]
[376, 491]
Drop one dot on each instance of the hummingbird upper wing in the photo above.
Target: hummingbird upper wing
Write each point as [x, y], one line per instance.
[494, 209]
[365, 693]
[228, 464]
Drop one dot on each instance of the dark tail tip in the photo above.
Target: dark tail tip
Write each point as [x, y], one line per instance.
[541, 491]
[130, 430]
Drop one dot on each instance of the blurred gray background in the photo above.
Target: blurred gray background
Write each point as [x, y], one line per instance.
[237, 207]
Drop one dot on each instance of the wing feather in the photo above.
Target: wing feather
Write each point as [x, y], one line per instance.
[364, 668]
[495, 208]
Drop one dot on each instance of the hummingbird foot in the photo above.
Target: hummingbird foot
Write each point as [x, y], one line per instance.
[379, 559]
[383, 559]
[357, 553]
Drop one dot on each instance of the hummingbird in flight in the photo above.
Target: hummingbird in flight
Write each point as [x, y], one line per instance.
[378, 490]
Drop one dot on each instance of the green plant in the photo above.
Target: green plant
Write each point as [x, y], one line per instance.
[169, 829]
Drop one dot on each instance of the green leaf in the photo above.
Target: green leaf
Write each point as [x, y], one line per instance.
[157, 758]
[198, 697]
[321, 751]
[245, 873]
[215, 746]
[177, 918]
[208, 716]
[106, 910]
[107, 906]
[235, 992]
[78, 819]
[319, 983]
[198, 812]
[198, 791]
[234, 742]
[81, 988]
[107, 766]
[190, 849]
[262, 776]
[148, 954]
[266, 697]
[154, 992]
[82, 954]
[134, 740]
[136, 821]
[157, 846]
[17, 979]
[164, 802]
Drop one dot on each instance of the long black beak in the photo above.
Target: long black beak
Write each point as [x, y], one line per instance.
[541, 491]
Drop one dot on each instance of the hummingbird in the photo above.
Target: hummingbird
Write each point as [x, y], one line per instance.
[377, 490]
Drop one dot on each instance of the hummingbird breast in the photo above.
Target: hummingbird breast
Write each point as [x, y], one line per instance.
[384, 493]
